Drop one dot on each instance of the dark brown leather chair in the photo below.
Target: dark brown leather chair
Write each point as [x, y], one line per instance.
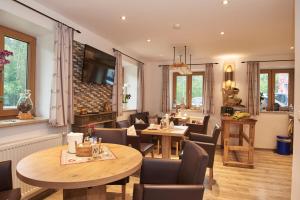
[6, 186]
[143, 143]
[143, 116]
[209, 144]
[115, 136]
[173, 179]
[198, 128]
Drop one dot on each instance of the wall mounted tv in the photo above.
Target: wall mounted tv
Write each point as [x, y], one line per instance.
[98, 67]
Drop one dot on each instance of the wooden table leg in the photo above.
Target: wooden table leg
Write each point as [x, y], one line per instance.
[251, 144]
[226, 142]
[92, 193]
[166, 147]
[241, 137]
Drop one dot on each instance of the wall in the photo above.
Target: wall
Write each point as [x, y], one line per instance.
[87, 96]
[266, 131]
[296, 156]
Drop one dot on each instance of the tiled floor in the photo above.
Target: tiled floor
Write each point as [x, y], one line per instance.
[270, 180]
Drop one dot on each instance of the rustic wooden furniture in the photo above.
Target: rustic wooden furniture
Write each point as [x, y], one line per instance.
[228, 122]
[167, 134]
[78, 181]
[102, 119]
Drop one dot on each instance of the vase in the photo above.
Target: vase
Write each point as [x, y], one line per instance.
[25, 104]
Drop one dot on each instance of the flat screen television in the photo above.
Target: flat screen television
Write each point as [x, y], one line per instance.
[98, 67]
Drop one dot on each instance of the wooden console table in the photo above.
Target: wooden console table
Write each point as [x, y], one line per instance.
[106, 119]
[228, 122]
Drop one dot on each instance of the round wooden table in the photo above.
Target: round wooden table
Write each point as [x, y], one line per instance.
[82, 180]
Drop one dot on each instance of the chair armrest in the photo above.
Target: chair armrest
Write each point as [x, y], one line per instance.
[134, 141]
[200, 138]
[172, 192]
[159, 171]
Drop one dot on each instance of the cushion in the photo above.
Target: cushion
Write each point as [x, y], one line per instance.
[131, 131]
[139, 121]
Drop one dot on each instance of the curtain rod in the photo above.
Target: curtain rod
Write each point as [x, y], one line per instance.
[128, 56]
[39, 12]
[191, 64]
[268, 61]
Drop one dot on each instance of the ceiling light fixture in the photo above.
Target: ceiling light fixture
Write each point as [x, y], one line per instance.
[292, 48]
[123, 18]
[222, 33]
[182, 67]
[225, 2]
[176, 26]
[148, 40]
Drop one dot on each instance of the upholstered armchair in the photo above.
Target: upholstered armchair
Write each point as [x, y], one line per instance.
[173, 179]
[198, 128]
[6, 185]
[143, 143]
[209, 144]
[115, 136]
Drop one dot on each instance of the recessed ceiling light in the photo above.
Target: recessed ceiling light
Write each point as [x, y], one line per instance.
[123, 18]
[225, 2]
[292, 48]
[222, 33]
[176, 26]
[148, 40]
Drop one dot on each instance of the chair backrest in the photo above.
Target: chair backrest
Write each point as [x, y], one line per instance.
[142, 115]
[193, 165]
[5, 176]
[216, 133]
[112, 135]
[205, 123]
[123, 124]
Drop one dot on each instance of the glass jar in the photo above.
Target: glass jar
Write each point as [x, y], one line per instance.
[25, 104]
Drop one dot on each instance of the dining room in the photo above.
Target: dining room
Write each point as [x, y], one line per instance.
[148, 101]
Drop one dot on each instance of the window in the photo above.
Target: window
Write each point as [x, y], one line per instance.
[188, 89]
[277, 89]
[130, 85]
[18, 75]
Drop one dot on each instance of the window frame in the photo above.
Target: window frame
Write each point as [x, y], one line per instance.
[31, 64]
[188, 94]
[271, 86]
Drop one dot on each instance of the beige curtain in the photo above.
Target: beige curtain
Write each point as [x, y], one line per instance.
[61, 103]
[118, 86]
[208, 107]
[253, 79]
[140, 87]
[165, 90]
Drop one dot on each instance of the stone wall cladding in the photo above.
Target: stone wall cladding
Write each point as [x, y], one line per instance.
[87, 96]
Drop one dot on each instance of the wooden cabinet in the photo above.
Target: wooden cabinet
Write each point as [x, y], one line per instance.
[104, 119]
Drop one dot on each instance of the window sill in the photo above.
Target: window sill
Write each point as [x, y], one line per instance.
[277, 112]
[130, 110]
[17, 122]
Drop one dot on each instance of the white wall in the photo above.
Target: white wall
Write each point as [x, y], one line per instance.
[296, 156]
[265, 130]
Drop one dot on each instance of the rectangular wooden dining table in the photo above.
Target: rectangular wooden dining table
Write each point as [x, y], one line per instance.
[167, 134]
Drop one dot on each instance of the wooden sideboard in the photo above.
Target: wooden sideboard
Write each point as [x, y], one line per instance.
[102, 119]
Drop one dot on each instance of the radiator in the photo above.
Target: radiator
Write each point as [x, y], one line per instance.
[18, 150]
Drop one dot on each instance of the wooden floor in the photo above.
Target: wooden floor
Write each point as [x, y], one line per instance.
[270, 180]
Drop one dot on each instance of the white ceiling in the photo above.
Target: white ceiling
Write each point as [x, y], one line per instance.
[252, 27]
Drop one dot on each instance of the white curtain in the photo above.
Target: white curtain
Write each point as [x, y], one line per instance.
[140, 87]
[61, 103]
[209, 89]
[118, 86]
[165, 90]
[253, 80]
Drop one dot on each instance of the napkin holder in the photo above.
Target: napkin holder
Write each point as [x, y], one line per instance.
[88, 149]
